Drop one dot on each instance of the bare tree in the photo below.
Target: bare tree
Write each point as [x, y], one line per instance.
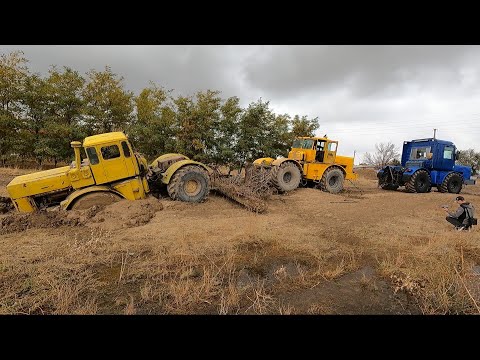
[385, 154]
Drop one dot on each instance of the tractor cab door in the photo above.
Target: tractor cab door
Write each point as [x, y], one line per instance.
[320, 151]
[446, 158]
[331, 152]
[107, 163]
[130, 161]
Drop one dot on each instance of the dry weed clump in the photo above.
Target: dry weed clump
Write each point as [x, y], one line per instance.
[437, 276]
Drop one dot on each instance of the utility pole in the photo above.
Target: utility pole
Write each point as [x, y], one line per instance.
[434, 133]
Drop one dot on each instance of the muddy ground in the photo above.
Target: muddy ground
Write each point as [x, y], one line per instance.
[364, 251]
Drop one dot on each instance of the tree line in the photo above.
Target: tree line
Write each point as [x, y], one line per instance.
[41, 115]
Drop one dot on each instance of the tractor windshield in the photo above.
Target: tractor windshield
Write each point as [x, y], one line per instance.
[302, 144]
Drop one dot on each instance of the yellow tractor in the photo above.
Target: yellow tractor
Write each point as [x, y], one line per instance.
[312, 161]
[110, 171]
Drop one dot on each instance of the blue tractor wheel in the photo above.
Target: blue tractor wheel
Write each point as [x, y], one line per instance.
[419, 182]
[452, 183]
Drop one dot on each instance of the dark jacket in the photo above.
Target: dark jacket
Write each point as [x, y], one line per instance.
[461, 215]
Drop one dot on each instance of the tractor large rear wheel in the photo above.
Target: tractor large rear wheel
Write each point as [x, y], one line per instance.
[332, 180]
[190, 184]
[95, 199]
[419, 182]
[286, 177]
[452, 183]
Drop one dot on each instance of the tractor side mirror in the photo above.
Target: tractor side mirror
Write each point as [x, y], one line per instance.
[457, 155]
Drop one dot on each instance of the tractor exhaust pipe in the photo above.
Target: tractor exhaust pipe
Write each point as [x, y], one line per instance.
[76, 145]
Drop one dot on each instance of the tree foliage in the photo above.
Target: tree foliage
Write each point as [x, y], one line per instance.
[108, 106]
[469, 158]
[41, 115]
[13, 72]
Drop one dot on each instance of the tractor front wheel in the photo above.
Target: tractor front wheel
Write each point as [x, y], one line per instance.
[189, 184]
[286, 177]
[332, 180]
[452, 183]
[419, 182]
[95, 199]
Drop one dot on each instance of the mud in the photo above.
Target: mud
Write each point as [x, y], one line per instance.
[20, 222]
[126, 214]
[5, 205]
[123, 214]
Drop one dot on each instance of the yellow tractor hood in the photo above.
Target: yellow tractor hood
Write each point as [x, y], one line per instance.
[39, 183]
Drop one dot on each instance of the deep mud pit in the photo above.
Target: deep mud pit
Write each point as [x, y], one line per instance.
[123, 214]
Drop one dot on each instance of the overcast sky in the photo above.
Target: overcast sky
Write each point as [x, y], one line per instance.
[362, 95]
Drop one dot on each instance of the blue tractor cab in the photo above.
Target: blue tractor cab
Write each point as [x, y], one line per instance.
[427, 163]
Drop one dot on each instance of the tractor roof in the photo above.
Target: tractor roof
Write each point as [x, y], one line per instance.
[430, 140]
[104, 138]
[312, 138]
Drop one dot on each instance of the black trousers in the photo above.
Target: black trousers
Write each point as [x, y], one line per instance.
[453, 221]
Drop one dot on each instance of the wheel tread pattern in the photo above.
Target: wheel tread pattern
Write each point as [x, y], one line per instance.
[444, 186]
[410, 185]
[176, 181]
[276, 170]
[323, 180]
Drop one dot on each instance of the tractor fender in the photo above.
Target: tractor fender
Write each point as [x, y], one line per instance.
[68, 202]
[280, 161]
[167, 156]
[338, 167]
[167, 175]
[267, 161]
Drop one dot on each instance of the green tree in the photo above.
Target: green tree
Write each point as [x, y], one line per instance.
[197, 120]
[108, 106]
[155, 127]
[302, 126]
[255, 128]
[226, 133]
[13, 72]
[279, 136]
[469, 158]
[34, 117]
[64, 109]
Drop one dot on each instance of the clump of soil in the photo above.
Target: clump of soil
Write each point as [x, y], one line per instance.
[43, 219]
[124, 214]
[5, 205]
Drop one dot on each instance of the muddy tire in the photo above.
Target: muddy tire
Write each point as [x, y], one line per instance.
[95, 199]
[419, 182]
[390, 187]
[286, 177]
[332, 180]
[189, 184]
[452, 183]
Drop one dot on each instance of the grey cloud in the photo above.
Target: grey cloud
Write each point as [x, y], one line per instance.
[186, 69]
[364, 70]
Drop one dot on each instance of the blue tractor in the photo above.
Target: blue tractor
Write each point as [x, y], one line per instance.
[426, 163]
